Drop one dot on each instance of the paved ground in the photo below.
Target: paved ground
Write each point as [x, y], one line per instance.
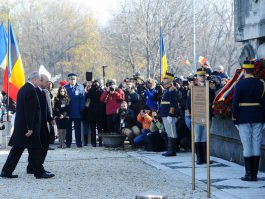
[100, 173]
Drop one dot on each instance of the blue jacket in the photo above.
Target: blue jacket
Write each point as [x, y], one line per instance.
[249, 101]
[77, 100]
[149, 99]
[168, 102]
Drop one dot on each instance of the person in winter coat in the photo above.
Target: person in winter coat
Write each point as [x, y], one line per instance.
[61, 111]
[113, 97]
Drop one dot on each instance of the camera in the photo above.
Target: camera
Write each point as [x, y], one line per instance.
[122, 112]
[111, 88]
[211, 79]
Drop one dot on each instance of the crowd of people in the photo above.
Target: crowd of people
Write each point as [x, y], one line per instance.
[153, 115]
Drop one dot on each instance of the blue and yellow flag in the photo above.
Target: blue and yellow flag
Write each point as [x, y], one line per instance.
[14, 72]
[163, 58]
[3, 47]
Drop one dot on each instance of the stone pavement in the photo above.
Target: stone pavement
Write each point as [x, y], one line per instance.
[225, 175]
[100, 173]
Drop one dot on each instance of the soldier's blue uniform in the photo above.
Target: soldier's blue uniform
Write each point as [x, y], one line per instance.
[248, 114]
[167, 112]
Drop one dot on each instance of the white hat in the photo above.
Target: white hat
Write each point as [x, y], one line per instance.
[220, 67]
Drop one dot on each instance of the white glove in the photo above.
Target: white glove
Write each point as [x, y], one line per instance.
[169, 119]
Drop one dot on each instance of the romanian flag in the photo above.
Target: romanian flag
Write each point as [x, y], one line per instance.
[201, 60]
[3, 47]
[186, 62]
[163, 58]
[14, 77]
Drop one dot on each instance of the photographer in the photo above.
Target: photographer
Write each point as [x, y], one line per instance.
[113, 97]
[125, 122]
[149, 93]
[131, 97]
[95, 112]
[145, 118]
[156, 140]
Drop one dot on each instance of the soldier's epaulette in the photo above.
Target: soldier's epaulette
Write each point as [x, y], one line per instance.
[172, 88]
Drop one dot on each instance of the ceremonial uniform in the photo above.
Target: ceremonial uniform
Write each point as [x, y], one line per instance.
[167, 112]
[248, 114]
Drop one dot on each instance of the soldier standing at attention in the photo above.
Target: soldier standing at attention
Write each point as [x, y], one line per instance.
[248, 114]
[167, 112]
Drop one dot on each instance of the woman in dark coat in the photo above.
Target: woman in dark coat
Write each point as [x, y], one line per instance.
[95, 115]
[61, 110]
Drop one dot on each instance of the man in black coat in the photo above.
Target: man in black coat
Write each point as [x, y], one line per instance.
[45, 117]
[26, 130]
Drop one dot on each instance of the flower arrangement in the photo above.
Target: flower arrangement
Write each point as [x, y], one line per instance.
[259, 71]
[222, 105]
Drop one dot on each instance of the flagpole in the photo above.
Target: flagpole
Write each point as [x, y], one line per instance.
[194, 38]
[160, 51]
[8, 64]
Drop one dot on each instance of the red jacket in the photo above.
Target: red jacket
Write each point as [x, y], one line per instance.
[113, 101]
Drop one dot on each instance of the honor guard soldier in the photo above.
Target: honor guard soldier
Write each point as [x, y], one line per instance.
[248, 114]
[167, 112]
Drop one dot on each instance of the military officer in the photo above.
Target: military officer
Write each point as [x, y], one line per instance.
[248, 114]
[167, 112]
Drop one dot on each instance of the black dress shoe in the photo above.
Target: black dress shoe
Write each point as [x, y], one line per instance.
[4, 175]
[29, 172]
[45, 176]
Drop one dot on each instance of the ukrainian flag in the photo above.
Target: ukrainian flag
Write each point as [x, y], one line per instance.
[163, 58]
[3, 47]
[14, 72]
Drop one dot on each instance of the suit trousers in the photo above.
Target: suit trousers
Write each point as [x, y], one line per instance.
[14, 156]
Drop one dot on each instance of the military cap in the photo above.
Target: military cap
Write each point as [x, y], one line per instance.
[169, 76]
[248, 64]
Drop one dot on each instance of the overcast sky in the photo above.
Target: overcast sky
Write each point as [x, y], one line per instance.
[102, 9]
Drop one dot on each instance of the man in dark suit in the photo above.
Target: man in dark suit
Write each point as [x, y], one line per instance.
[45, 117]
[26, 130]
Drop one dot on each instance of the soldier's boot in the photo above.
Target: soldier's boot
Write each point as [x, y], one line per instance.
[198, 151]
[172, 146]
[248, 168]
[204, 153]
[255, 167]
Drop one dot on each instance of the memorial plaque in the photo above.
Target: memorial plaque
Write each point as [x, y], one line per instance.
[199, 104]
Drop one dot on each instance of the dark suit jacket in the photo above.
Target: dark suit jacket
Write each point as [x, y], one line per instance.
[45, 117]
[28, 117]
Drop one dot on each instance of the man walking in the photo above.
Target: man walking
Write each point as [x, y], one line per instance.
[26, 130]
[45, 117]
